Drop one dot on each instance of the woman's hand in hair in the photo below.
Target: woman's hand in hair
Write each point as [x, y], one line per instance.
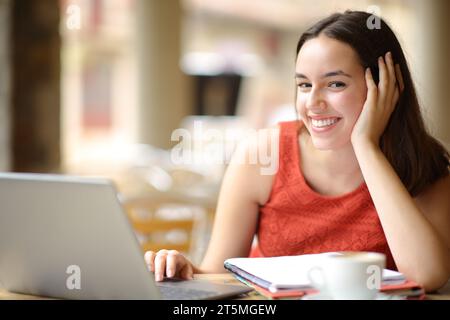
[380, 102]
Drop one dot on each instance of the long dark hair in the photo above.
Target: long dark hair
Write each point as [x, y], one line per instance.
[415, 155]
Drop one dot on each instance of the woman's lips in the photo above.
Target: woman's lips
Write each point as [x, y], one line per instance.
[323, 124]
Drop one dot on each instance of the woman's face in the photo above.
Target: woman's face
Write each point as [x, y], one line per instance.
[331, 91]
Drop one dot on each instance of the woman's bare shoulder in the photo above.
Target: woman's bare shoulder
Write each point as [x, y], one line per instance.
[258, 155]
[259, 140]
[265, 136]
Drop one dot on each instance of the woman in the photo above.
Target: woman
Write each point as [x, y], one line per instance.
[357, 172]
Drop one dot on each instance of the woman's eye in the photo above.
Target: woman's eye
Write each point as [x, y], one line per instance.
[337, 84]
[304, 85]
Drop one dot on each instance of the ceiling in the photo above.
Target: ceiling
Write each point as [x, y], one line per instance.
[281, 14]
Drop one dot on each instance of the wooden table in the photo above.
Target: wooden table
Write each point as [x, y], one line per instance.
[442, 294]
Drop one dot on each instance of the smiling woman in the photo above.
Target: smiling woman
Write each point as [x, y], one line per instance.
[331, 90]
[356, 48]
[357, 171]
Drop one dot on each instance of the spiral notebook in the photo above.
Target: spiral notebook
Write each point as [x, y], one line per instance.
[289, 272]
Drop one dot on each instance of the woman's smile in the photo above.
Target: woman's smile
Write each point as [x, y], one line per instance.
[323, 124]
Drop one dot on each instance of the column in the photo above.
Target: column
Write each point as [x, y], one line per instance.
[35, 72]
[5, 92]
[436, 67]
[163, 97]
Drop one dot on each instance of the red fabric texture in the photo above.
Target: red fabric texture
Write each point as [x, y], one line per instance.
[298, 220]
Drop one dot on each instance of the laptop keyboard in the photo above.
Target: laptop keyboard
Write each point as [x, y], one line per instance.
[174, 293]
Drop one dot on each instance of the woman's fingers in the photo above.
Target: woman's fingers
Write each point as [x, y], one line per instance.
[168, 263]
[149, 258]
[399, 77]
[178, 265]
[395, 97]
[391, 70]
[371, 87]
[383, 85]
[187, 272]
[171, 263]
[380, 101]
[175, 262]
[160, 265]
[392, 94]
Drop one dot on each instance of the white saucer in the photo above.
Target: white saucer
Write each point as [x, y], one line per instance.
[322, 296]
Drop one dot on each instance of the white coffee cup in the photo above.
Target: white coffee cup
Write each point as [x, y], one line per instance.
[349, 275]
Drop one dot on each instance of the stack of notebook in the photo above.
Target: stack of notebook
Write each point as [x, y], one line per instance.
[286, 277]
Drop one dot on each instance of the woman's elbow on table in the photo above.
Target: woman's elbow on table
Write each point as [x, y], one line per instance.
[435, 281]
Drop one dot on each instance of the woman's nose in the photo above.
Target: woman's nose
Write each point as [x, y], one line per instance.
[315, 100]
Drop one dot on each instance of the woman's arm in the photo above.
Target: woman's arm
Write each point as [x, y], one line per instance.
[243, 190]
[420, 246]
[417, 234]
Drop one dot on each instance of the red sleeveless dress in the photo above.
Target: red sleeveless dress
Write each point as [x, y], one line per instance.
[298, 220]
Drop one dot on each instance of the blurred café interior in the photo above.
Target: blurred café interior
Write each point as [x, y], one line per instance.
[98, 87]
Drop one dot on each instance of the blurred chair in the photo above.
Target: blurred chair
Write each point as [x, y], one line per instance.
[163, 222]
[170, 206]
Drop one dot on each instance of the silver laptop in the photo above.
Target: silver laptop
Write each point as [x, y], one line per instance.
[68, 237]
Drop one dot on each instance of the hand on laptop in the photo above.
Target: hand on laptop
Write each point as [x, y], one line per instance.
[169, 263]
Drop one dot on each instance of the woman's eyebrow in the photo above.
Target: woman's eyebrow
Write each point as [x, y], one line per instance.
[328, 74]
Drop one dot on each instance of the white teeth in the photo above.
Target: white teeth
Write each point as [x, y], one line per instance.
[324, 122]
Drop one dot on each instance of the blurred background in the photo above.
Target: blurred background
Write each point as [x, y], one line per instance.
[97, 87]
